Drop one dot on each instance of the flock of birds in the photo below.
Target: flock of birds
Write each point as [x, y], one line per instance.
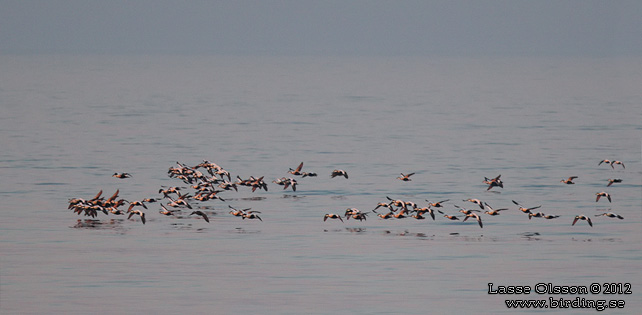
[207, 185]
[208, 180]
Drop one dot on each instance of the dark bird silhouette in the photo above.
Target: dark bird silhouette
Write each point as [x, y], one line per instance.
[202, 214]
[336, 173]
[613, 181]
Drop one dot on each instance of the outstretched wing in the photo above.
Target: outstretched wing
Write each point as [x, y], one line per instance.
[97, 195]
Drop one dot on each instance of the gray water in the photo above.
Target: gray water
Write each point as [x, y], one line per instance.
[69, 122]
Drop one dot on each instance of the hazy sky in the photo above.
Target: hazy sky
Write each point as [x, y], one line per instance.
[377, 27]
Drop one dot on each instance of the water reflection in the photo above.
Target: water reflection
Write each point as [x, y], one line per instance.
[181, 226]
[467, 238]
[356, 230]
[607, 239]
[98, 224]
[286, 196]
[531, 236]
[94, 224]
[407, 233]
[259, 198]
[240, 230]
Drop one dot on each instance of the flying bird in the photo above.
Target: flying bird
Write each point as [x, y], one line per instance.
[613, 181]
[138, 212]
[451, 217]
[477, 202]
[492, 211]
[436, 204]
[525, 210]
[296, 171]
[202, 214]
[165, 211]
[602, 194]
[332, 216]
[405, 177]
[569, 181]
[476, 216]
[610, 215]
[494, 182]
[617, 162]
[336, 173]
[582, 217]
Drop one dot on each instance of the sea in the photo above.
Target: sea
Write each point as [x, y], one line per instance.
[68, 122]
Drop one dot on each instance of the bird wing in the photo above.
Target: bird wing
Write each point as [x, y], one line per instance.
[97, 195]
[114, 196]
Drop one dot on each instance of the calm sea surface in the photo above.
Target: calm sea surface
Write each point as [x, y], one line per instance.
[69, 122]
